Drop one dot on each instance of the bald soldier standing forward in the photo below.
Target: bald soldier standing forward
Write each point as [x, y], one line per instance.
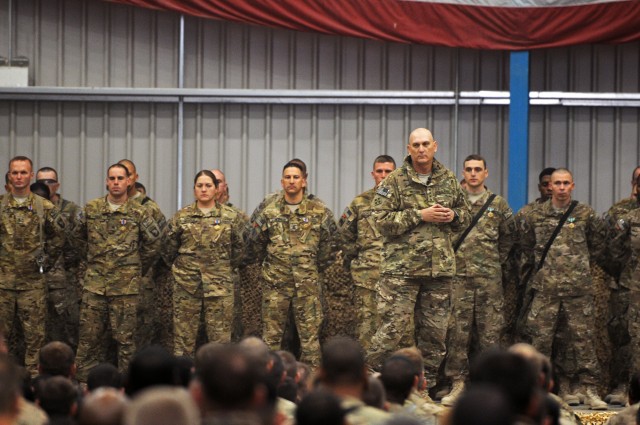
[561, 238]
[31, 238]
[418, 208]
[478, 298]
[122, 240]
[361, 245]
[293, 239]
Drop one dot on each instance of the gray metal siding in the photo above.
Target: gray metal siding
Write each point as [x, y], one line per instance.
[76, 43]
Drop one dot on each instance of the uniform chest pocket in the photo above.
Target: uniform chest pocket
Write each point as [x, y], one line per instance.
[305, 228]
[218, 232]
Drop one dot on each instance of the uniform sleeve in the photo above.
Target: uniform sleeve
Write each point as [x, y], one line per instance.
[506, 233]
[527, 248]
[619, 243]
[596, 238]
[238, 250]
[171, 240]
[386, 204]
[54, 229]
[461, 208]
[150, 241]
[347, 234]
[256, 235]
[327, 245]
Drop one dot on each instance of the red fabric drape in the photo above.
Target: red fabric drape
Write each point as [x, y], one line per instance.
[427, 22]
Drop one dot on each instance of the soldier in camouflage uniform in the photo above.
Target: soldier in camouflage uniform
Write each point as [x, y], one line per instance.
[562, 285]
[361, 245]
[293, 240]
[222, 196]
[31, 238]
[204, 243]
[151, 319]
[625, 301]
[417, 209]
[478, 298]
[63, 280]
[121, 240]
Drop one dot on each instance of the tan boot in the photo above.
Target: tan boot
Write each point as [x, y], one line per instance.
[617, 396]
[593, 400]
[567, 394]
[456, 390]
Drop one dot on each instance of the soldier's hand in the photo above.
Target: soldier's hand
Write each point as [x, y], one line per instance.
[437, 214]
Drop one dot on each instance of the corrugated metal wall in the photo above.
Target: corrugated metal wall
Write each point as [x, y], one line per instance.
[93, 43]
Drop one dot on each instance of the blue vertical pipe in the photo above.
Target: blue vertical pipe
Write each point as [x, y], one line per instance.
[518, 129]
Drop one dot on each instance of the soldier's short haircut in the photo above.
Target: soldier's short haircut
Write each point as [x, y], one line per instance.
[126, 161]
[475, 157]
[383, 158]
[290, 363]
[207, 173]
[9, 385]
[320, 407]
[563, 170]
[514, 375]
[633, 175]
[482, 404]
[21, 158]
[153, 365]
[118, 165]
[374, 395]
[343, 362]
[104, 406]
[294, 165]
[139, 185]
[546, 172]
[56, 359]
[398, 376]
[48, 170]
[302, 165]
[104, 375]
[162, 406]
[56, 395]
[227, 375]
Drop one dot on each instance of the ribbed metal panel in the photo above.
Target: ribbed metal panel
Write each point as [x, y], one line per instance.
[90, 43]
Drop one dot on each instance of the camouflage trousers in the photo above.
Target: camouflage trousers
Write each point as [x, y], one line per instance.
[624, 331]
[366, 309]
[64, 316]
[30, 308]
[305, 300]
[399, 301]
[146, 316]
[478, 304]
[541, 326]
[97, 314]
[187, 310]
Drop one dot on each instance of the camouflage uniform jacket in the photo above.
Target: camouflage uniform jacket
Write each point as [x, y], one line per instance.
[612, 263]
[204, 248]
[625, 248]
[121, 245]
[293, 246]
[360, 241]
[153, 208]
[567, 267]
[20, 242]
[486, 248]
[412, 247]
[65, 270]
